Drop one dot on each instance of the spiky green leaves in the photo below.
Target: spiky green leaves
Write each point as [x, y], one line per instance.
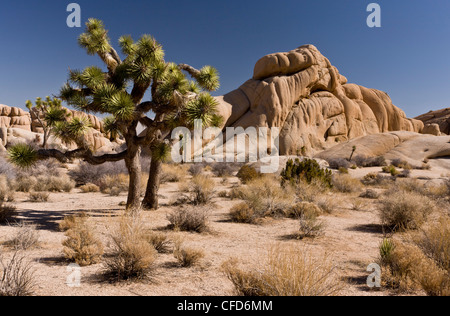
[72, 130]
[121, 106]
[161, 152]
[208, 78]
[22, 155]
[54, 115]
[95, 40]
[111, 127]
[202, 108]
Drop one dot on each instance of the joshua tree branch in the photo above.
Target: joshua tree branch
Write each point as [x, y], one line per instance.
[84, 154]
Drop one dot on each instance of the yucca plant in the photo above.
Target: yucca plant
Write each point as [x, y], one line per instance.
[48, 113]
[119, 92]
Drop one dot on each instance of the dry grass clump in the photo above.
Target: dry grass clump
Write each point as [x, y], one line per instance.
[6, 189]
[346, 183]
[247, 174]
[422, 263]
[44, 183]
[159, 241]
[81, 245]
[38, 197]
[369, 194]
[190, 219]
[172, 173]
[402, 210]
[202, 189]
[89, 188]
[187, 256]
[310, 192]
[310, 226]
[375, 179]
[303, 208]
[287, 271]
[70, 221]
[225, 169]
[86, 173]
[26, 237]
[131, 255]
[329, 204]
[196, 169]
[114, 184]
[243, 213]
[17, 276]
[266, 197]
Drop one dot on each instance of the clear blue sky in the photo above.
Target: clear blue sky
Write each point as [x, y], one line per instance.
[408, 57]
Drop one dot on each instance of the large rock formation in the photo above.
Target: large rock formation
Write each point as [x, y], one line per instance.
[17, 125]
[436, 122]
[301, 93]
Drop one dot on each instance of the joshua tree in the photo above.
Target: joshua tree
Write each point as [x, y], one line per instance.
[175, 101]
[49, 114]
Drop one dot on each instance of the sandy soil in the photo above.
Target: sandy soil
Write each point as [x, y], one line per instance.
[351, 240]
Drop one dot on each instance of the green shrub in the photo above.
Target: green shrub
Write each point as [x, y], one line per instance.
[306, 170]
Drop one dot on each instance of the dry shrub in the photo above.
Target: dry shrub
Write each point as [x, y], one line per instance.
[81, 245]
[202, 189]
[287, 271]
[346, 183]
[172, 173]
[6, 190]
[196, 169]
[131, 255]
[369, 194]
[242, 213]
[26, 237]
[225, 169]
[38, 197]
[89, 188]
[86, 173]
[17, 276]
[44, 183]
[402, 210]
[111, 184]
[266, 197]
[309, 192]
[374, 178]
[303, 208]
[247, 174]
[189, 219]
[70, 221]
[159, 241]
[187, 256]
[310, 226]
[328, 204]
[358, 205]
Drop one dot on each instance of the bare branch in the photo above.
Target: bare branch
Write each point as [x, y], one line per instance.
[84, 154]
[189, 69]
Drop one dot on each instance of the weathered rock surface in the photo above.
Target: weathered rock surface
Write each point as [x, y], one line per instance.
[433, 118]
[314, 107]
[409, 146]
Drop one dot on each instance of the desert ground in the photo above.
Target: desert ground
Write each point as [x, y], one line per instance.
[350, 238]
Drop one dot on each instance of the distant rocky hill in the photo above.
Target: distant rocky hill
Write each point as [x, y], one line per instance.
[436, 121]
[17, 125]
[315, 108]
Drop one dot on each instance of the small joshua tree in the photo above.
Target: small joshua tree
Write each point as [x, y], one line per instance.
[120, 91]
[49, 114]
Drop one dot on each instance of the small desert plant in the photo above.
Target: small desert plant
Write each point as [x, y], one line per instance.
[390, 169]
[242, 213]
[189, 219]
[374, 179]
[328, 204]
[309, 192]
[266, 197]
[70, 221]
[25, 238]
[287, 271]
[38, 197]
[364, 162]
[310, 226]
[398, 163]
[118, 182]
[404, 210]
[6, 190]
[306, 170]
[224, 169]
[196, 169]
[86, 173]
[159, 241]
[346, 183]
[89, 188]
[172, 173]
[337, 163]
[17, 277]
[202, 189]
[247, 174]
[81, 245]
[303, 208]
[370, 194]
[358, 205]
[131, 255]
[187, 256]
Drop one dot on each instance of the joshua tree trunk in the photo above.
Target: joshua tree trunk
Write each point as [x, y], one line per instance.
[151, 195]
[133, 165]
